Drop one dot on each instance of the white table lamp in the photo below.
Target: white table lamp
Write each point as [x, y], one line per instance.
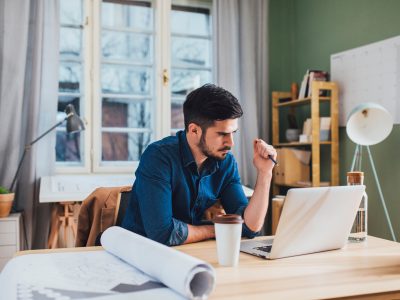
[369, 124]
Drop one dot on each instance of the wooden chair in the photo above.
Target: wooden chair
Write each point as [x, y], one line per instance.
[103, 208]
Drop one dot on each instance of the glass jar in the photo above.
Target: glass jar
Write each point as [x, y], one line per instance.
[359, 230]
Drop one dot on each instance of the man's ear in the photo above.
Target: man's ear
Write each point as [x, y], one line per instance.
[194, 130]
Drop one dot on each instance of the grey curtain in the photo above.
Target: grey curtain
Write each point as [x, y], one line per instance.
[28, 104]
[241, 55]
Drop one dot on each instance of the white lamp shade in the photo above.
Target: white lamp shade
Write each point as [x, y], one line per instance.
[369, 124]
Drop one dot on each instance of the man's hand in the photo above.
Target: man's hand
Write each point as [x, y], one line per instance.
[260, 158]
[213, 211]
[255, 212]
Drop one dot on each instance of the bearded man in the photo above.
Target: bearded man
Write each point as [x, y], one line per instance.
[180, 177]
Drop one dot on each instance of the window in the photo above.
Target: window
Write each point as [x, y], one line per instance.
[127, 66]
[69, 148]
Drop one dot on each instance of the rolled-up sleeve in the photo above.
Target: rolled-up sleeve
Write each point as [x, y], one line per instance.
[246, 231]
[154, 195]
[235, 201]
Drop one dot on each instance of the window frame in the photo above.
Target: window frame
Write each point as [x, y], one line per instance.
[92, 103]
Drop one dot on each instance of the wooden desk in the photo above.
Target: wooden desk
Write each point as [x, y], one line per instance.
[361, 270]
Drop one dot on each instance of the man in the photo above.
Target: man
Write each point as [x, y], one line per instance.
[180, 177]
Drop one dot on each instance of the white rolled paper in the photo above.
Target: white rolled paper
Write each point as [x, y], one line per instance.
[187, 275]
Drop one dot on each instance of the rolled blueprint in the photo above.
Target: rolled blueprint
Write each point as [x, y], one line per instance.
[187, 275]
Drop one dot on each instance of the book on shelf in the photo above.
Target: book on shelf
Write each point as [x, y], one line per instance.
[325, 123]
[307, 127]
[303, 86]
[316, 75]
[324, 127]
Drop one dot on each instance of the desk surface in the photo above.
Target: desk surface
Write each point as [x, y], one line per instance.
[359, 269]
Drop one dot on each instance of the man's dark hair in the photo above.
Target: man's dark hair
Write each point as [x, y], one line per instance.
[210, 103]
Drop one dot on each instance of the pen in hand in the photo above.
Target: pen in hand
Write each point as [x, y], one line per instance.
[269, 155]
[273, 160]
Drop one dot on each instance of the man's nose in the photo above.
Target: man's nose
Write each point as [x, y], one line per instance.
[229, 140]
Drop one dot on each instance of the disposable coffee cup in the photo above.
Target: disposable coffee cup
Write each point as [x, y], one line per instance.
[228, 231]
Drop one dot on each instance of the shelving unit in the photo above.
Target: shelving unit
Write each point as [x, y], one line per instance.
[314, 101]
[10, 237]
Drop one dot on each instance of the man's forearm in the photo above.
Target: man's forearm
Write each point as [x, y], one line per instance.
[199, 233]
[255, 212]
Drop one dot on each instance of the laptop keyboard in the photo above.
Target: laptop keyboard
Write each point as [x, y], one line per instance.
[264, 248]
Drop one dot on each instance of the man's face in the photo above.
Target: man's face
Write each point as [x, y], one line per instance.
[217, 140]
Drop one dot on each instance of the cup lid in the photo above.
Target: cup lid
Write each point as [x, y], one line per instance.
[228, 219]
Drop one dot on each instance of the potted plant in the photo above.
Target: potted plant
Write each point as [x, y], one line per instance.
[6, 199]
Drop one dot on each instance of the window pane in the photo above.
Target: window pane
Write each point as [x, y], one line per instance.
[126, 113]
[64, 100]
[190, 20]
[70, 43]
[183, 81]
[177, 121]
[124, 146]
[127, 46]
[130, 15]
[71, 12]
[191, 52]
[125, 80]
[70, 77]
[68, 147]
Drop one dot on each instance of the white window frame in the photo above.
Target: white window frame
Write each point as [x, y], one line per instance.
[91, 106]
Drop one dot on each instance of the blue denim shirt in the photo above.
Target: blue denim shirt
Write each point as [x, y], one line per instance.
[170, 193]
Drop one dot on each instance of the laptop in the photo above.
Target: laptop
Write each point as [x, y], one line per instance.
[312, 220]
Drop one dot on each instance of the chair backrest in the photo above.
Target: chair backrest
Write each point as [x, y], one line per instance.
[121, 207]
[103, 208]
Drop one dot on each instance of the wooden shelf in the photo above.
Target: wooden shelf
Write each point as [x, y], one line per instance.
[314, 103]
[298, 144]
[300, 101]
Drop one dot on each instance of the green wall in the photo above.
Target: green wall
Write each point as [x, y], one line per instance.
[302, 35]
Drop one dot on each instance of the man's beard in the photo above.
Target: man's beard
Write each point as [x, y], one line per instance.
[207, 152]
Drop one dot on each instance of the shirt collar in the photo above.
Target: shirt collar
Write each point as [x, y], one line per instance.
[187, 156]
[212, 165]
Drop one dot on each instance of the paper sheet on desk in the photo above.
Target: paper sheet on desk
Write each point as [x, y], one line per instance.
[153, 271]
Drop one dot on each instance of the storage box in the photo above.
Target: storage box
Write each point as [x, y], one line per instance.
[294, 166]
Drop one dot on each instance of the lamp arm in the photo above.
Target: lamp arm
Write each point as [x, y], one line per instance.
[28, 147]
[43, 134]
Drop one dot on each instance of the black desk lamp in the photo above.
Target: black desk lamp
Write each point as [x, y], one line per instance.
[74, 124]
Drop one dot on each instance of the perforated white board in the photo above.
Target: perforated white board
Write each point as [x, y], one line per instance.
[370, 73]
